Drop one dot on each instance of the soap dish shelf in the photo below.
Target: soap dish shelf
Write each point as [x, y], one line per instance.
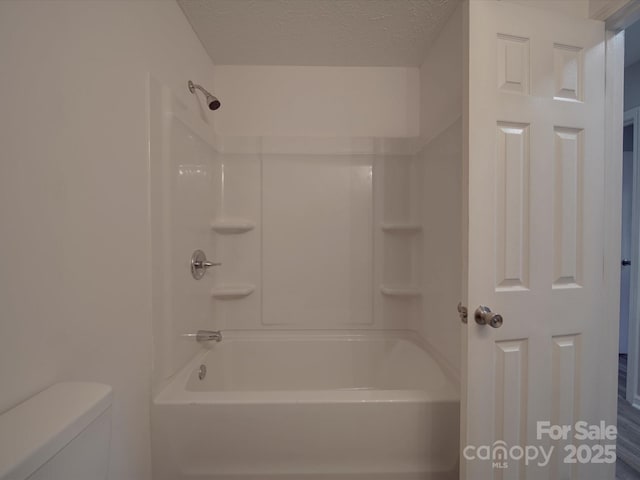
[400, 291]
[232, 226]
[406, 228]
[231, 292]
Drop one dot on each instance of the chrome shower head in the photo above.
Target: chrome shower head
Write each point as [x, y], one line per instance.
[212, 101]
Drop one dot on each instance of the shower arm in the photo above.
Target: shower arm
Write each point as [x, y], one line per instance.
[212, 102]
[194, 86]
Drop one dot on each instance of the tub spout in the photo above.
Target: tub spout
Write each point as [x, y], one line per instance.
[208, 336]
[202, 336]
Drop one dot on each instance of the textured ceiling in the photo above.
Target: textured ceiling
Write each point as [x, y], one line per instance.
[317, 32]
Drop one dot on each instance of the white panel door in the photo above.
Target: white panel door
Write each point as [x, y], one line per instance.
[535, 240]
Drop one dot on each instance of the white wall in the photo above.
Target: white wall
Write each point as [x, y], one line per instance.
[318, 101]
[441, 130]
[441, 80]
[74, 256]
[442, 262]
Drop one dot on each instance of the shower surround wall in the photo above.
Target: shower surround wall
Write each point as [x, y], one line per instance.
[330, 247]
[327, 161]
[314, 232]
[334, 204]
[294, 101]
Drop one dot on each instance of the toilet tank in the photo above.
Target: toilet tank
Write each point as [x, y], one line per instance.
[61, 433]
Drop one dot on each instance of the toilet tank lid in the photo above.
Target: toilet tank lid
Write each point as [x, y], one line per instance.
[38, 428]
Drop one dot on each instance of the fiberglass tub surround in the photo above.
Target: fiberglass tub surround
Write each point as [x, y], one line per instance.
[321, 371]
[311, 233]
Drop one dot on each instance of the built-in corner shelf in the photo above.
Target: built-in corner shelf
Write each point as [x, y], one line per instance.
[401, 227]
[230, 292]
[400, 291]
[232, 226]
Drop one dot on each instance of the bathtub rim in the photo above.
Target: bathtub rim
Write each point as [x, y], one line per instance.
[173, 390]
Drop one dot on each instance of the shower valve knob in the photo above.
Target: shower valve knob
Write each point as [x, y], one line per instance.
[484, 316]
[200, 264]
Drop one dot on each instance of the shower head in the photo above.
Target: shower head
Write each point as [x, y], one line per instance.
[212, 101]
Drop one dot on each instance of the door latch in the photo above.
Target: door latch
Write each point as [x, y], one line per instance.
[462, 311]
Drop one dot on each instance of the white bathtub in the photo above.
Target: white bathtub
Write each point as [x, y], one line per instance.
[308, 406]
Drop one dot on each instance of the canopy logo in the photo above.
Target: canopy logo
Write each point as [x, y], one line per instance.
[500, 453]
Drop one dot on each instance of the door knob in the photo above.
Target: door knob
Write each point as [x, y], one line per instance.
[626, 262]
[484, 316]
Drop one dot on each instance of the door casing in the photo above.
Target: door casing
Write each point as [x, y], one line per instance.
[632, 117]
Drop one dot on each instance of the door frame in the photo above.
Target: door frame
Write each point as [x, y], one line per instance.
[618, 16]
[613, 127]
[632, 117]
